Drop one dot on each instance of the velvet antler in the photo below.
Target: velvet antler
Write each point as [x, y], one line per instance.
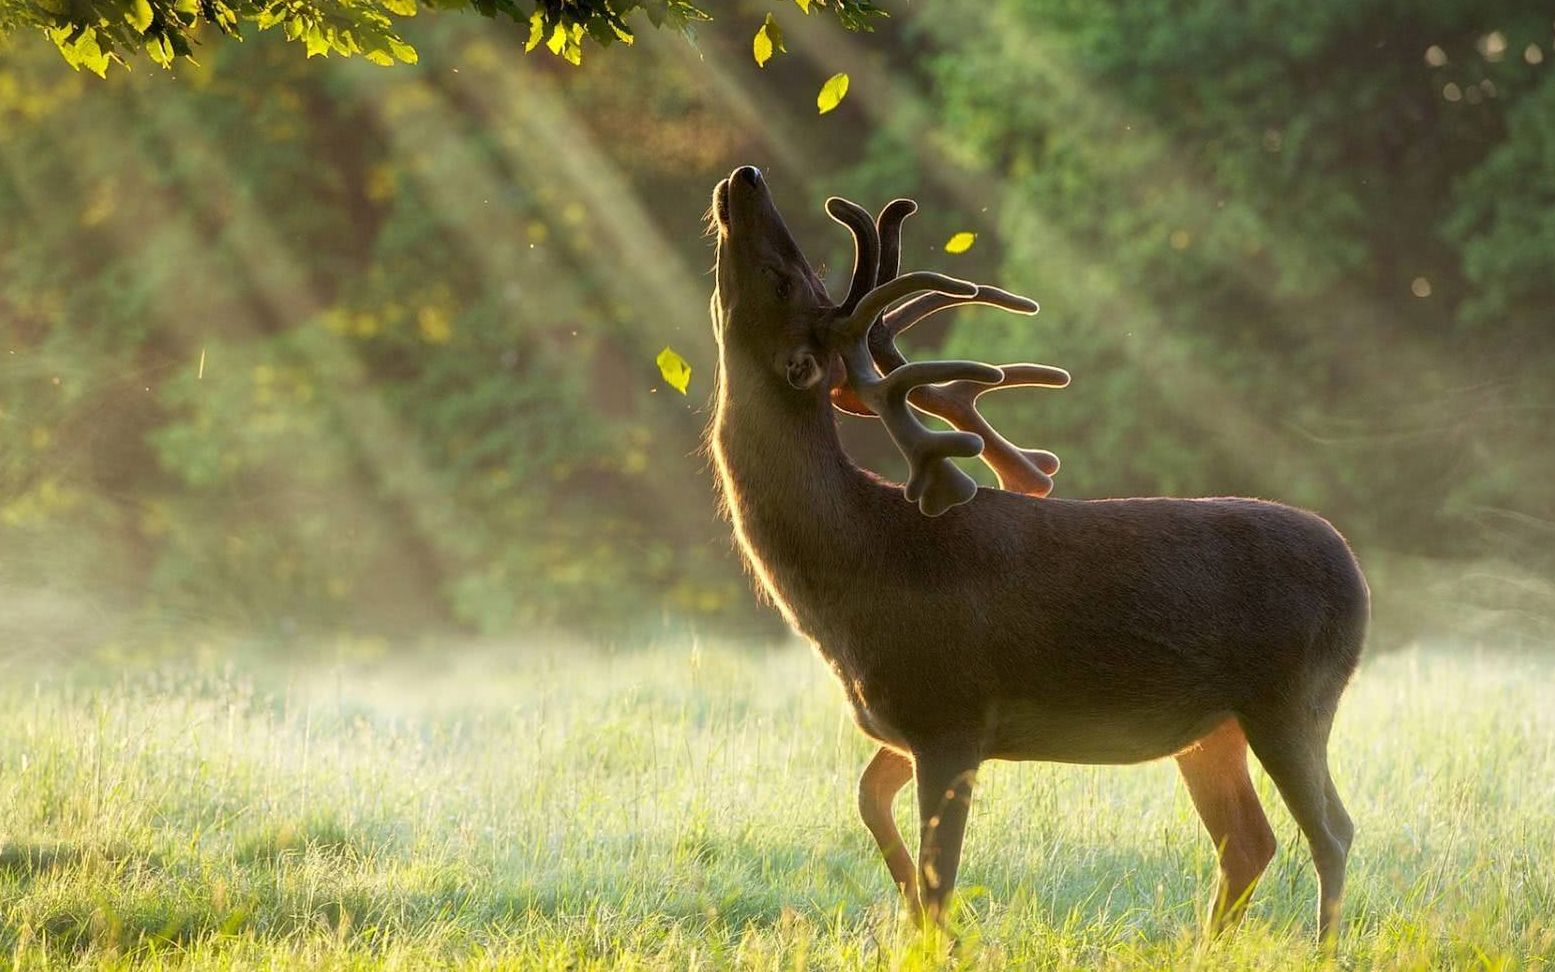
[934, 482]
[1020, 470]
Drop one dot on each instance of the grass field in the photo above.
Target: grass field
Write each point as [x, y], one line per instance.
[693, 808]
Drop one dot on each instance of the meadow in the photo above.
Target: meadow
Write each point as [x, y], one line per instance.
[691, 806]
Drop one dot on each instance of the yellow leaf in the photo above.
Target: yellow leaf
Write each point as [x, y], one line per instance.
[675, 369]
[804, 5]
[139, 15]
[434, 325]
[960, 243]
[768, 39]
[832, 92]
[536, 29]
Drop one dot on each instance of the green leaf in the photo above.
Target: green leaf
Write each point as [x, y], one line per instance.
[316, 42]
[960, 243]
[832, 92]
[226, 18]
[271, 15]
[139, 15]
[62, 40]
[160, 49]
[402, 51]
[768, 39]
[405, 8]
[91, 55]
[675, 369]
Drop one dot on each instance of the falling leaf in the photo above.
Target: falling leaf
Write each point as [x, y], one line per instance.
[803, 5]
[960, 243]
[768, 39]
[675, 369]
[435, 325]
[832, 92]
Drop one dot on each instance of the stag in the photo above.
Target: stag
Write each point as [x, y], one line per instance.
[1002, 625]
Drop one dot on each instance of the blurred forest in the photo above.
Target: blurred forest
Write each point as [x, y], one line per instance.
[296, 345]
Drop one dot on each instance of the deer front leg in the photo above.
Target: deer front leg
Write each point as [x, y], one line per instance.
[945, 774]
[1215, 770]
[883, 778]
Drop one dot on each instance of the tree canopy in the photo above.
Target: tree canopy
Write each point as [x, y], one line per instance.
[93, 34]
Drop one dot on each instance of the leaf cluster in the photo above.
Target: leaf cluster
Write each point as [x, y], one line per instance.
[92, 34]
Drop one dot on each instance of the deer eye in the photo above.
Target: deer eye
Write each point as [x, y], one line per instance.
[781, 284]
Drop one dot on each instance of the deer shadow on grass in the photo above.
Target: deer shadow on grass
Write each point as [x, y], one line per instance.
[23, 862]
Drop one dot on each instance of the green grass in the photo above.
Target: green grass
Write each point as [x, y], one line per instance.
[681, 808]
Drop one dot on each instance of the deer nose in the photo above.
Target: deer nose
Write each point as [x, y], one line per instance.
[749, 173]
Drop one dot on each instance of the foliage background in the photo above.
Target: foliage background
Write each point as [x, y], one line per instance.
[290, 346]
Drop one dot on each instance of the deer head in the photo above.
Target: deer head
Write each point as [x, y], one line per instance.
[773, 314]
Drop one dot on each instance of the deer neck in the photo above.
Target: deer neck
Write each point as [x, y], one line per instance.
[797, 502]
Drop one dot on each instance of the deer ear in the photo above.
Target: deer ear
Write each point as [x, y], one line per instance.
[803, 370]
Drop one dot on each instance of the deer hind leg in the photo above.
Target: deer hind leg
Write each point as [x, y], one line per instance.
[946, 774]
[1215, 770]
[1339, 822]
[1294, 752]
[883, 778]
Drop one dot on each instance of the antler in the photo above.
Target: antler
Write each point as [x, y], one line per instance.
[1020, 470]
[866, 249]
[934, 482]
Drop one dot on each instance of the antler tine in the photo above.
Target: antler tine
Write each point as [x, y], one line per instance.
[856, 325]
[888, 230]
[866, 344]
[910, 313]
[934, 482]
[866, 248]
[888, 226]
[1019, 470]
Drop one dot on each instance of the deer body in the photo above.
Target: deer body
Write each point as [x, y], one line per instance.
[1012, 627]
[1102, 631]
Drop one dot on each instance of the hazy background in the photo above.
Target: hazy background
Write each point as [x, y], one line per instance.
[313, 353]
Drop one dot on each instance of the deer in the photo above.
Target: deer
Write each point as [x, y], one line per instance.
[968, 623]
